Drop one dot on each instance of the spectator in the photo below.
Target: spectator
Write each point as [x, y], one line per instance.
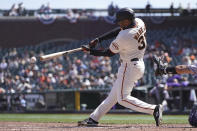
[172, 9]
[167, 58]
[2, 90]
[10, 91]
[45, 9]
[13, 11]
[41, 9]
[193, 59]
[23, 103]
[148, 8]
[186, 60]
[21, 10]
[180, 9]
[72, 16]
[112, 9]
[188, 9]
[3, 64]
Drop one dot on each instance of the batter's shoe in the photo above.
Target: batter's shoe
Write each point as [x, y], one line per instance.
[161, 67]
[158, 114]
[88, 122]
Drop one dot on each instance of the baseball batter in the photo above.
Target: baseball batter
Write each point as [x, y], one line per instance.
[131, 44]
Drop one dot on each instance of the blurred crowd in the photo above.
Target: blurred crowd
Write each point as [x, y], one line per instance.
[18, 74]
[17, 10]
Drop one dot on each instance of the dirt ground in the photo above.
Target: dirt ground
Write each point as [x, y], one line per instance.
[28, 126]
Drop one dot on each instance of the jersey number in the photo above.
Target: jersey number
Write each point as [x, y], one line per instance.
[142, 43]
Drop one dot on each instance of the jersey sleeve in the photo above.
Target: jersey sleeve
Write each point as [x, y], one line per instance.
[193, 69]
[115, 46]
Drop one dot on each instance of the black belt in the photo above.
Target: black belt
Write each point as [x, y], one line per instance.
[135, 59]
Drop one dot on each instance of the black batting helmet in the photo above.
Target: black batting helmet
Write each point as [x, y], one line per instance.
[125, 13]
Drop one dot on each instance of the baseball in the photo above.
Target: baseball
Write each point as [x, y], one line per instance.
[33, 59]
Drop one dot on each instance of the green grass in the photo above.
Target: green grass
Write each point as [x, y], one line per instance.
[111, 118]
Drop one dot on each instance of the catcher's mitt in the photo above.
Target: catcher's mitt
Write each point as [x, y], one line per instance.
[160, 66]
[193, 117]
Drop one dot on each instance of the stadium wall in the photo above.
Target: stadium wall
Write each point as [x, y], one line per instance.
[22, 31]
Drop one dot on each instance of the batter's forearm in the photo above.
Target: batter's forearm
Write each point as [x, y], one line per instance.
[109, 35]
[102, 53]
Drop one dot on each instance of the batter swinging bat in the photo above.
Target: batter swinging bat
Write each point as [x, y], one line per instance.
[58, 54]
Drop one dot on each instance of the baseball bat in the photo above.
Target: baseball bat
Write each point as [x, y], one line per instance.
[58, 54]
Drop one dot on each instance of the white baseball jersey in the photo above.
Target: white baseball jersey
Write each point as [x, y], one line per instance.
[130, 43]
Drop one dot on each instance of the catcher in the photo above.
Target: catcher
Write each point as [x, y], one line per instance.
[179, 69]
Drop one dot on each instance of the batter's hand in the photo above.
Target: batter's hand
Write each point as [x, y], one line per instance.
[85, 48]
[93, 43]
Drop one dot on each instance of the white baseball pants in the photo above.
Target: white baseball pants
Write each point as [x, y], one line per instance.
[128, 73]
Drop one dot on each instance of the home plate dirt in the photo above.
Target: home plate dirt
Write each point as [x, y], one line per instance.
[29, 126]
